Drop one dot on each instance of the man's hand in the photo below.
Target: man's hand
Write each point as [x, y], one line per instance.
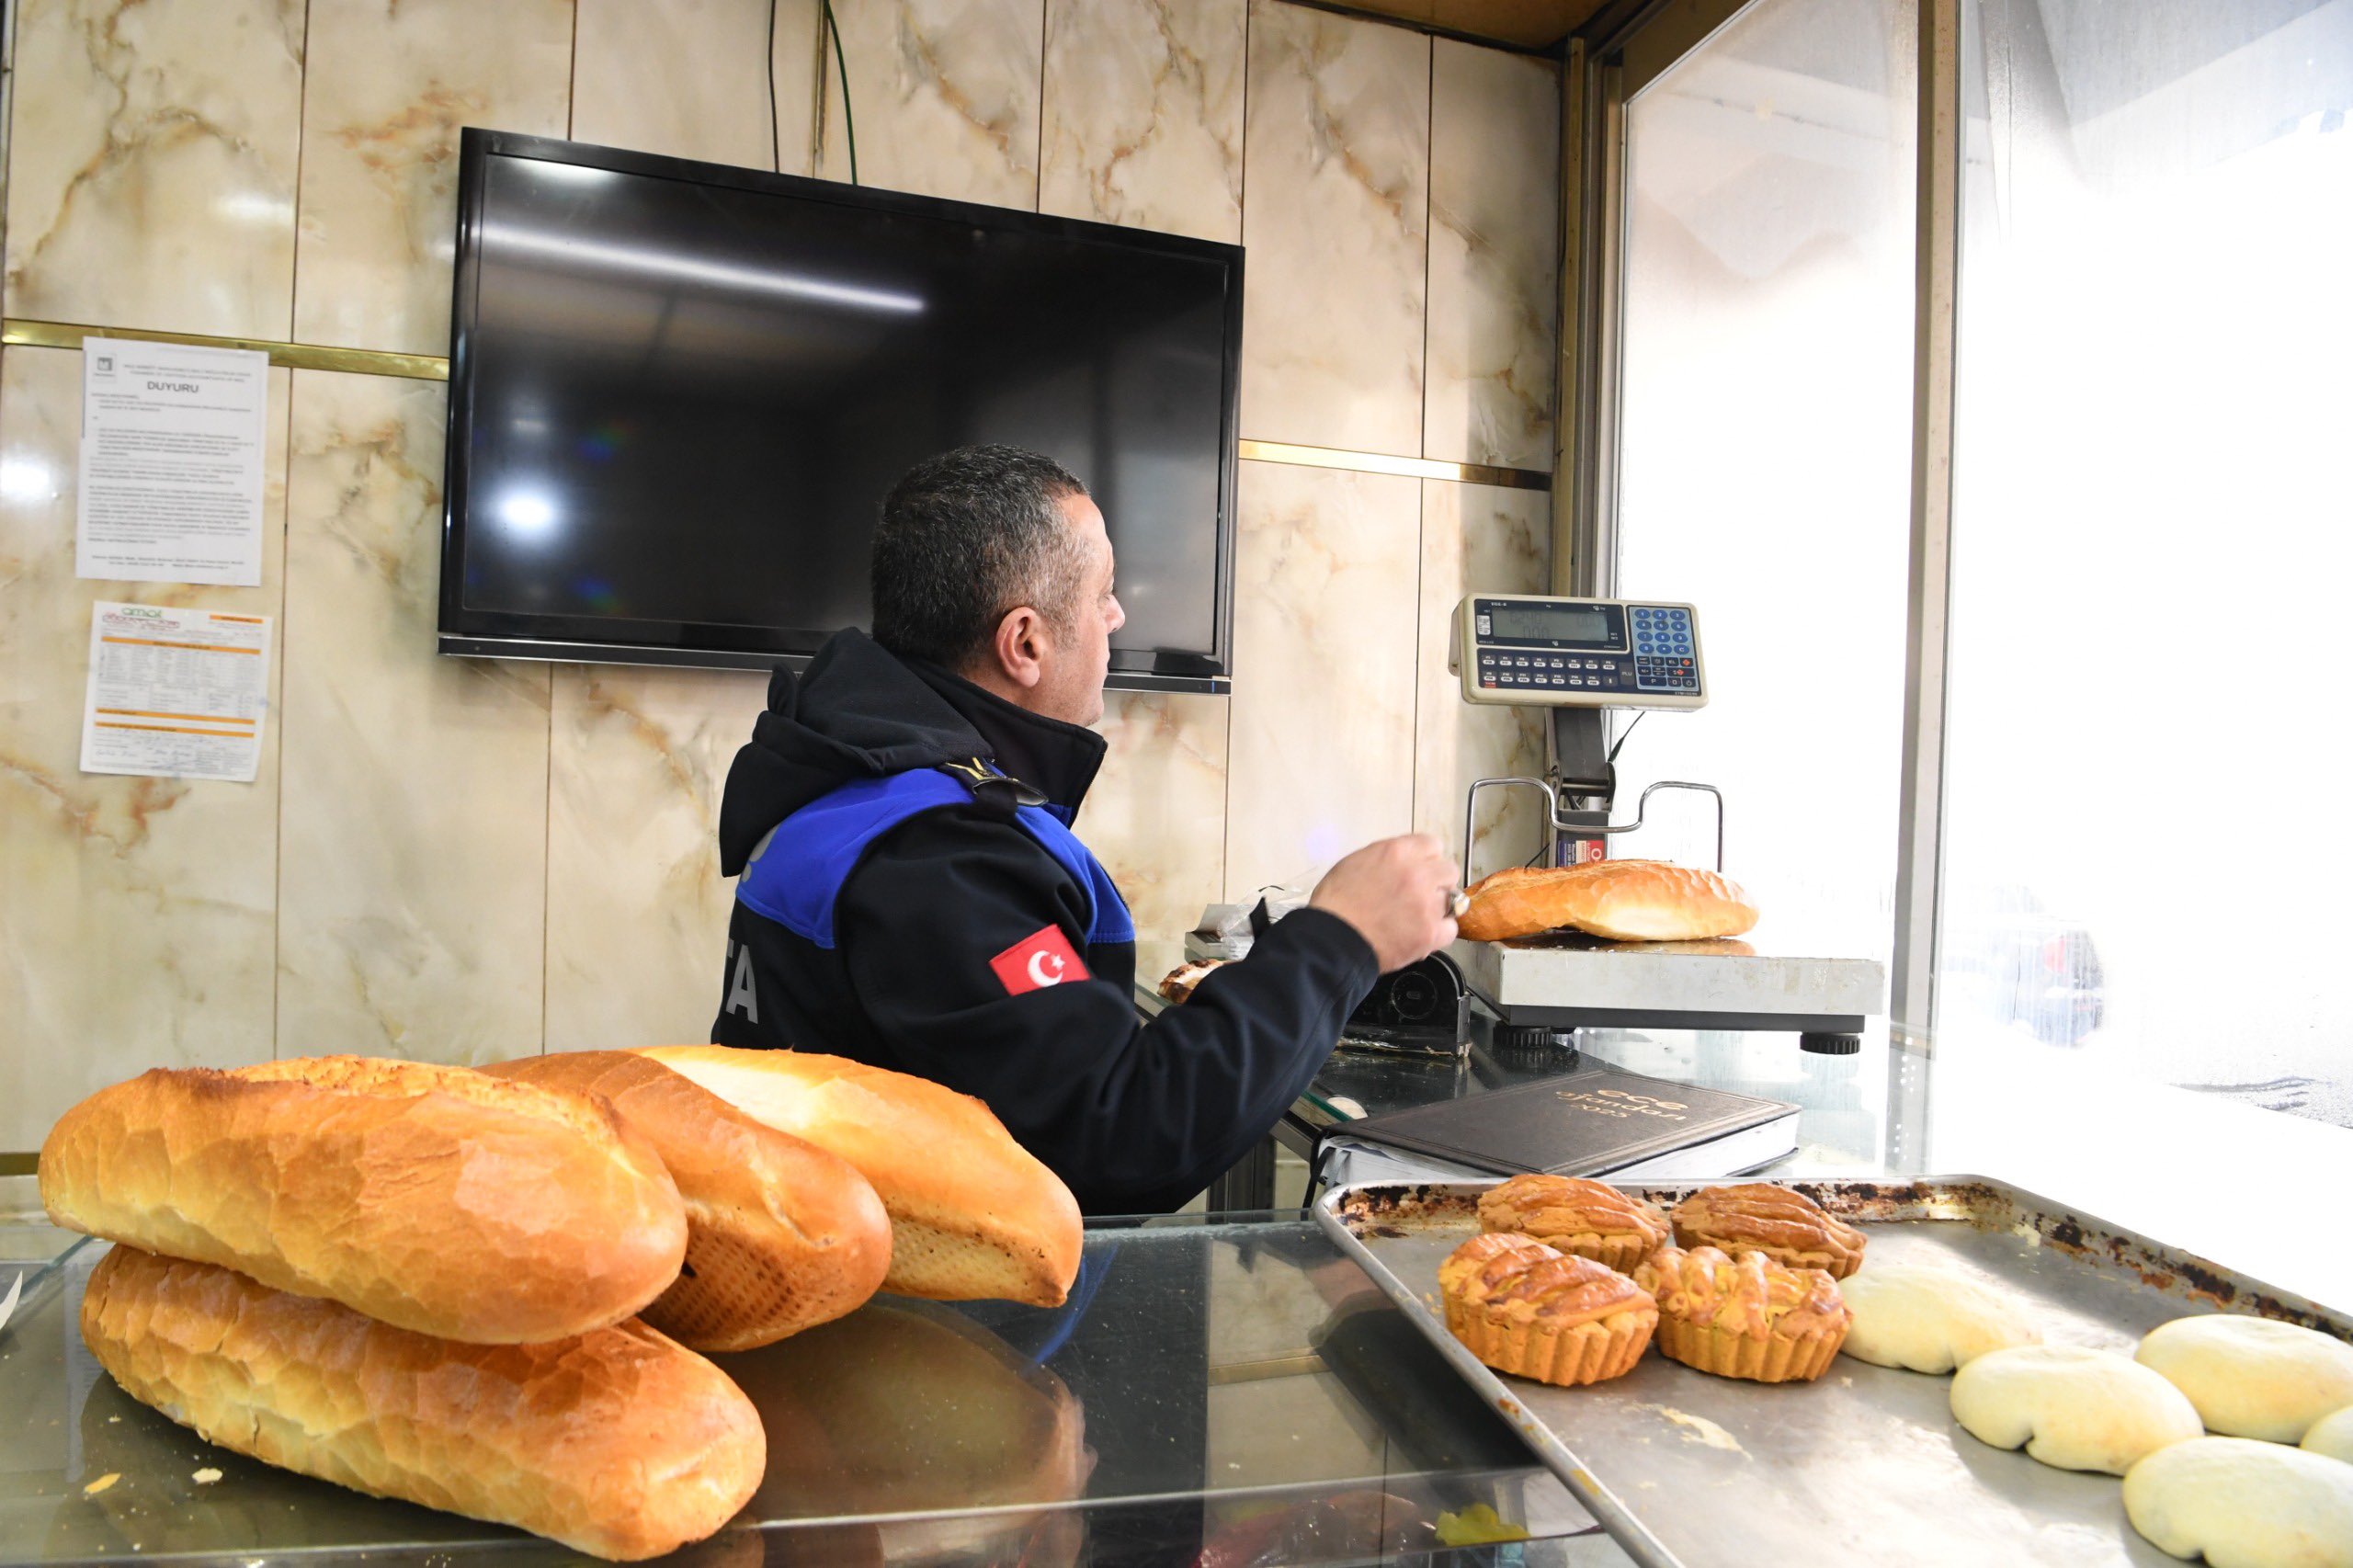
[1398, 894]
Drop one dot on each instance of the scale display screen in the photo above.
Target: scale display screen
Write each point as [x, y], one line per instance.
[1538, 623]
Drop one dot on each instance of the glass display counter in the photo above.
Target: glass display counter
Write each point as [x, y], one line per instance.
[1224, 1390]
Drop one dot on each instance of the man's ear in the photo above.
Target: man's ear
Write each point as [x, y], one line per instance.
[1020, 646]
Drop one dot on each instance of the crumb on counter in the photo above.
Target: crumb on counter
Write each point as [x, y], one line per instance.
[101, 1483]
[206, 1476]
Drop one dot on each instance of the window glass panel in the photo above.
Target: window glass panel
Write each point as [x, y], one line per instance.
[1765, 442]
[2144, 857]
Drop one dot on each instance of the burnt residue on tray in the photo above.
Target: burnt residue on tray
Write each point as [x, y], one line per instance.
[1390, 1211]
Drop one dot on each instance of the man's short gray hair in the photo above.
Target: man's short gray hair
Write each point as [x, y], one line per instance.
[965, 539]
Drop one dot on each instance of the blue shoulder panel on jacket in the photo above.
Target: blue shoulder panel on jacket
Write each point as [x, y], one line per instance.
[796, 876]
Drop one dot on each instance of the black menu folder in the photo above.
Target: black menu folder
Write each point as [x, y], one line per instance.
[1596, 1122]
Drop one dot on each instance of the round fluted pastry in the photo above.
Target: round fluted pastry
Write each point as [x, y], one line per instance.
[2252, 1376]
[1745, 1317]
[1590, 1219]
[2244, 1504]
[1788, 1227]
[1929, 1320]
[2072, 1408]
[1535, 1311]
[2332, 1435]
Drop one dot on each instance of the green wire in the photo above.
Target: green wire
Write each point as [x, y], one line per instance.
[849, 125]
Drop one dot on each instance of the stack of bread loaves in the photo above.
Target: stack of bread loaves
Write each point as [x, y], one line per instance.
[478, 1290]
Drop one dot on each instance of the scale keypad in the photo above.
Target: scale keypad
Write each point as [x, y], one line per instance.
[1663, 655]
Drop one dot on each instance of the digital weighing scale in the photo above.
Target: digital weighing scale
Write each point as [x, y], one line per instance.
[1576, 658]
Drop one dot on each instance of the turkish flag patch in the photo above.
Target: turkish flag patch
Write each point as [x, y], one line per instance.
[1041, 958]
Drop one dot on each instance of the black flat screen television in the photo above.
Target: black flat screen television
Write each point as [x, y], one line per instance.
[679, 391]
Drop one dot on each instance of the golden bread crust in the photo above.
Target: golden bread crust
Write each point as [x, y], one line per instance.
[433, 1198]
[973, 1215]
[1746, 1316]
[1590, 1219]
[781, 1234]
[617, 1442]
[1634, 901]
[1527, 1309]
[1788, 1227]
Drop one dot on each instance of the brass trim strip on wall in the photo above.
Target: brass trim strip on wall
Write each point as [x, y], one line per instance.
[14, 332]
[1384, 463]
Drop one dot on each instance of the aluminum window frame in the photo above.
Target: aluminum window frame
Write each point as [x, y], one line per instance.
[1625, 48]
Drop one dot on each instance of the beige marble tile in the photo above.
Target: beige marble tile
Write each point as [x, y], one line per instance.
[413, 839]
[1323, 747]
[637, 910]
[1495, 255]
[795, 58]
[1476, 538]
[1143, 114]
[136, 914]
[151, 159]
[389, 88]
[1156, 815]
[687, 78]
[944, 93]
[1336, 224]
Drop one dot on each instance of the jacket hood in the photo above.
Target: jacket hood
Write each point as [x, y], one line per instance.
[860, 711]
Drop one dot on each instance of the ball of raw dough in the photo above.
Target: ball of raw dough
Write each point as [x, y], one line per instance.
[2244, 1504]
[2074, 1409]
[1929, 1320]
[2252, 1376]
[2332, 1435]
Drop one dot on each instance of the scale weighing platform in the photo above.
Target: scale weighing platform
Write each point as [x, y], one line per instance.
[1575, 658]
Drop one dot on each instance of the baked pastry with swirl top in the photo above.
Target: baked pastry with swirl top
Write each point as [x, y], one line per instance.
[1535, 1311]
[1788, 1227]
[1746, 1316]
[1587, 1217]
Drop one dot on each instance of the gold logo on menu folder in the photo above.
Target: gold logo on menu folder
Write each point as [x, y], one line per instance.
[1623, 1105]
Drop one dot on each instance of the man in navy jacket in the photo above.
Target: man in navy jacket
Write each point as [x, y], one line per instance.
[910, 892]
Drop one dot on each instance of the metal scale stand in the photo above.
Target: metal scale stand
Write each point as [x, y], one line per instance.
[1576, 658]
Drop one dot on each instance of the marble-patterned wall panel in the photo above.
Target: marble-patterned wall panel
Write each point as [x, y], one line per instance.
[152, 162]
[390, 86]
[1143, 114]
[944, 95]
[1322, 724]
[637, 910]
[798, 51]
[687, 78]
[1476, 538]
[1338, 229]
[412, 841]
[1495, 255]
[1156, 814]
[136, 914]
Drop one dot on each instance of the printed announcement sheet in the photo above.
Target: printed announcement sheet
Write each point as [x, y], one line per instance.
[176, 693]
[171, 466]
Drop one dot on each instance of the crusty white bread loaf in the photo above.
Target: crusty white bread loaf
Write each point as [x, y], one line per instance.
[617, 1442]
[1628, 901]
[973, 1215]
[781, 1235]
[433, 1198]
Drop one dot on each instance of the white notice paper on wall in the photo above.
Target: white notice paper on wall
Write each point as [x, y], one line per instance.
[172, 441]
[176, 693]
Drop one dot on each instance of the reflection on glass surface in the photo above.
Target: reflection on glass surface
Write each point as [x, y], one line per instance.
[714, 388]
[1764, 469]
[2149, 561]
[1236, 1390]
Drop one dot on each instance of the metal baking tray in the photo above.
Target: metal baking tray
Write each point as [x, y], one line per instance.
[1867, 1465]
